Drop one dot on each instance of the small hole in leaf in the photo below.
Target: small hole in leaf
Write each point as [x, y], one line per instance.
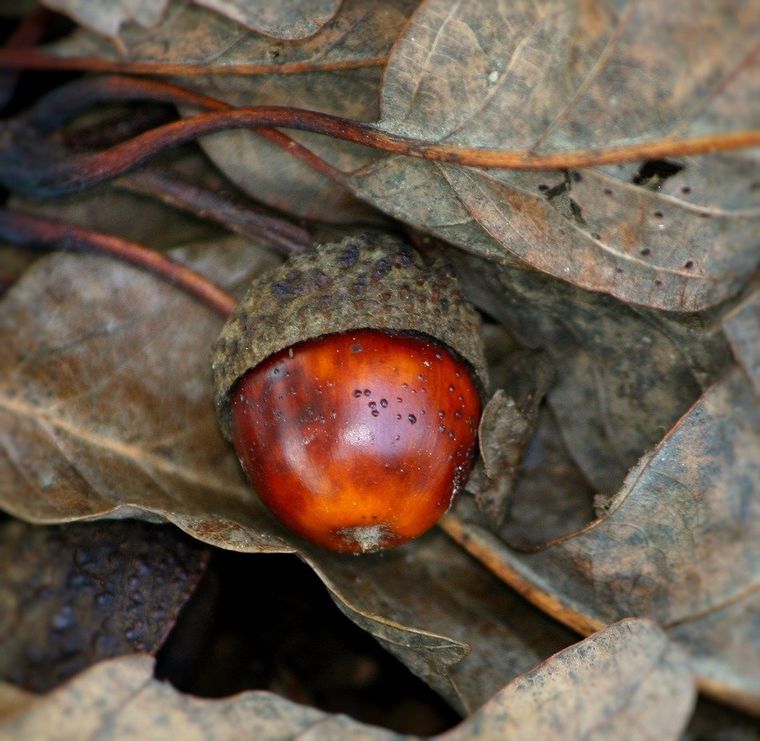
[686, 190]
[689, 264]
[646, 251]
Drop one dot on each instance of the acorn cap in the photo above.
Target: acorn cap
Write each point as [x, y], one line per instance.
[371, 280]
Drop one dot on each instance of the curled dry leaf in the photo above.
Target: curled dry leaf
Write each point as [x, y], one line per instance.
[551, 497]
[107, 410]
[627, 680]
[548, 77]
[72, 596]
[290, 19]
[680, 544]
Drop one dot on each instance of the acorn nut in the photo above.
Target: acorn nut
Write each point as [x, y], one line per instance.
[349, 380]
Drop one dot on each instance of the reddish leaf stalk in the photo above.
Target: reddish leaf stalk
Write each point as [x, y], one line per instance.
[34, 59]
[240, 217]
[27, 230]
[83, 171]
[63, 104]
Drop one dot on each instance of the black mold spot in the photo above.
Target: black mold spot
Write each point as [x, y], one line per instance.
[653, 173]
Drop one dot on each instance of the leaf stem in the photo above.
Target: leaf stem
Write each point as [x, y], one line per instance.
[27, 230]
[64, 103]
[79, 172]
[234, 214]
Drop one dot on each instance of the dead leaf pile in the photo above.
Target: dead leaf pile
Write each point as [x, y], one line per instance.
[618, 495]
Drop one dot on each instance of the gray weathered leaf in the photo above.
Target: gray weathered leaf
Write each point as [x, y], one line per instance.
[288, 19]
[553, 76]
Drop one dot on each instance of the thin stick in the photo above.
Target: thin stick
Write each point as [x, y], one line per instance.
[27, 230]
[235, 215]
[83, 171]
[62, 104]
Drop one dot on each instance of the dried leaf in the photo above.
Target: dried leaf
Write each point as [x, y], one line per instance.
[551, 77]
[72, 596]
[680, 544]
[624, 375]
[289, 19]
[742, 327]
[508, 420]
[450, 622]
[107, 17]
[13, 699]
[551, 497]
[120, 698]
[627, 679]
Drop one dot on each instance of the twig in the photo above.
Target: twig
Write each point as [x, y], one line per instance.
[27, 230]
[79, 172]
[235, 215]
[66, 102]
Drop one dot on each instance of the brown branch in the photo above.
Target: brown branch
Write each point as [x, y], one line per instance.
[480, 544]
[234, 214]
[27, 230]
[83, 171]
[34, 59]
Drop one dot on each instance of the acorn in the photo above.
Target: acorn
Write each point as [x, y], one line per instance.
[350, 380]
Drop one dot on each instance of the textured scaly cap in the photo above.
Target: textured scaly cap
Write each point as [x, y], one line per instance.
[371, 280]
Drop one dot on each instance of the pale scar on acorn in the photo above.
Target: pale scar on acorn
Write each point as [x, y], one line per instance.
[350, 380]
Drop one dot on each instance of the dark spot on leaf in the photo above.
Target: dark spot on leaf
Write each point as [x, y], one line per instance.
[653, 173]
